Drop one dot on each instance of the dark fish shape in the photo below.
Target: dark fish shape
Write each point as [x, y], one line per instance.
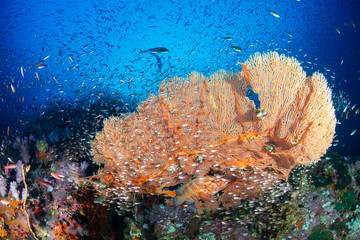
[158, 61]
[157, 49]
[238, 49]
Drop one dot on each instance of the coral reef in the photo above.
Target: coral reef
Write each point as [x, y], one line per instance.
[317, 201]
[42, 199]
[200, 126]
[298, 208]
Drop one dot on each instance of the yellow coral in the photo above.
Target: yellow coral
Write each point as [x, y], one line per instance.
[42, 146]
[3, 232]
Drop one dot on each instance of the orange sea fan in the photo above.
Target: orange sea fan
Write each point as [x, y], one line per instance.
[301, 108]
[199, 126]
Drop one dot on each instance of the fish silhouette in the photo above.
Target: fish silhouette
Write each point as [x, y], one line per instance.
[157, 49]
[158, 61]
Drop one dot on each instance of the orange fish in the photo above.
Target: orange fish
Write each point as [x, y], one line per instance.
[10, 166]
[5, 202]
[199, 189]
[37, 209]
[57, 176]
[45, 183]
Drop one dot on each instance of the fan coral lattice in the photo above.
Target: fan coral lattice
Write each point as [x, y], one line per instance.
[199, 126]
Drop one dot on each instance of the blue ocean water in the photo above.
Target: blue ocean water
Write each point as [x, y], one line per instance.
[94, 46]
[78, 52]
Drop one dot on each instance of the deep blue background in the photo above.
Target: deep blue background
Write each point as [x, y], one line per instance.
[93, 48]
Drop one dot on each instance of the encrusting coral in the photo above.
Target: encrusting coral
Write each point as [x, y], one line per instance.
[207, 126]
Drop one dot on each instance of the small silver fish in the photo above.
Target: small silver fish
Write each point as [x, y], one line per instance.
[338, 31]
[22, 72]
[238, 49]
[353, 132]
[12, 88]
[290, 35]
[274, 14]
[353, 107]
[41, 66]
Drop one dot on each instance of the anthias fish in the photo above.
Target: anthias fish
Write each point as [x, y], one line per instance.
[199, 189]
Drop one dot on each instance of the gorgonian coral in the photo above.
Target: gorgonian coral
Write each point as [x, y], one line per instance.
[207, 126]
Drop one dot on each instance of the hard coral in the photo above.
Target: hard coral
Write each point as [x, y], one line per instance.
[199, 126]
